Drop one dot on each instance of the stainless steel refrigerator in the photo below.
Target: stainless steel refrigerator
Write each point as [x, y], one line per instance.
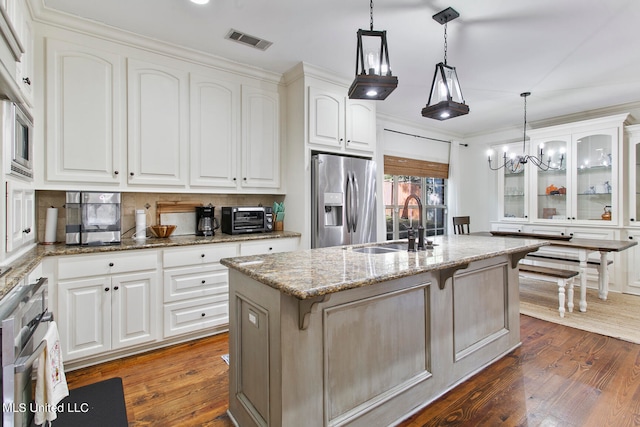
[343, 200]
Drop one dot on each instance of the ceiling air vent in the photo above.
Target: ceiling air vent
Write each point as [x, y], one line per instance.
[248, 40]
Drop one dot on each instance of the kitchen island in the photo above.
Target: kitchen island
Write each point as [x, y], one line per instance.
[367, 335]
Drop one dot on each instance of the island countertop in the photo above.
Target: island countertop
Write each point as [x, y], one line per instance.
[314, 272]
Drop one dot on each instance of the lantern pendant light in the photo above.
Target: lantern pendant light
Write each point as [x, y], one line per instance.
[373, 72]
[445, 99]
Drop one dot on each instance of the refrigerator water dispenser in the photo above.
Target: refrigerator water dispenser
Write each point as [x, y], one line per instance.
[333, 209]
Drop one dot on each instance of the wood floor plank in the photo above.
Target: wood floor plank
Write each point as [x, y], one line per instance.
[560, 376]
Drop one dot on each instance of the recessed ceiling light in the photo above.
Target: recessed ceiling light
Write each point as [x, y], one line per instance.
[200, 1]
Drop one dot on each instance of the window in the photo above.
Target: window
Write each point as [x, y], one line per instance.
[431, 192]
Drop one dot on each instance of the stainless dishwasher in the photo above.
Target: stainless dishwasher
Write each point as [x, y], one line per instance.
[25, 320]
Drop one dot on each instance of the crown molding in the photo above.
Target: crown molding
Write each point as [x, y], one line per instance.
[42, 14]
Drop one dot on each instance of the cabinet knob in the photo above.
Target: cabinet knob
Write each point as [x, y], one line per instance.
[632, 219]
[26, 230]
[234, 178]
[116, 172]
[270, 249]
[110, 264]
[26, 81]
[562, 234]
[244, 179]
[131, 173]
[203, 314]
[106, 289]
[201, 255]
[630, 237]
[570, 234]
[204, 281]
[115, 288]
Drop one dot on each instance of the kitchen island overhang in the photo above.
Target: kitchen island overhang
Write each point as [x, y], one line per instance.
[333, 336]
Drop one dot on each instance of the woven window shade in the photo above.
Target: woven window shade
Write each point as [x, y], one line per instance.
[402, 166]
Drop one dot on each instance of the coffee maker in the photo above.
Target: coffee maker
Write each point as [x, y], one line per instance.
[206, 223]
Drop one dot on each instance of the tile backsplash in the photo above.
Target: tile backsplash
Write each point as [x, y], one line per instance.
[147, 201]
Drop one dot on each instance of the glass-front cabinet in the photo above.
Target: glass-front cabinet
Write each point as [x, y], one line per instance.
[632, 154]
[583, 184]
[513, 186]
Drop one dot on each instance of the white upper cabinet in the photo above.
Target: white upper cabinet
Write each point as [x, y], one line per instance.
[632, 154]
[158, 125]
[588, 183]
[513, 187]
[340, 123]
[24, 67]
[260, 151]
[84, 111]
[215, 109]
[21, 213]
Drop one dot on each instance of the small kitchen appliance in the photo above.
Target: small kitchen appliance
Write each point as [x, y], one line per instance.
[93, 218]
[247, 219]
[206, 223]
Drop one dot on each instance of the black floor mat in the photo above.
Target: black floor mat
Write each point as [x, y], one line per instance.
[96, 405]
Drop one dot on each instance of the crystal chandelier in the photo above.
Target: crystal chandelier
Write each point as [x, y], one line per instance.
[515, 162]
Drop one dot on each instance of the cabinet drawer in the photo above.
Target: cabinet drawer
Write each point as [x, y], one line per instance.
[270, 246]
[190, 316]
[113, 263]
[192, 282]
[203, 254]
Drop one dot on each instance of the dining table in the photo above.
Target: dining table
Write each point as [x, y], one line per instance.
[582, 248]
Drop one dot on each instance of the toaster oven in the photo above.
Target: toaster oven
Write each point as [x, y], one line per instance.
[246, 219]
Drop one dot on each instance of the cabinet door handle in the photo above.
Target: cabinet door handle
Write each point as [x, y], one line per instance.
[26, 80]
[27, 230]
[115, 288]
[106, 289]
[110, 264]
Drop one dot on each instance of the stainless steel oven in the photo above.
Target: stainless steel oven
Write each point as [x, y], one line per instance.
[25, 321]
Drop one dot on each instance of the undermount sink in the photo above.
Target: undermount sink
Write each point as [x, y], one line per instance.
[382, 248]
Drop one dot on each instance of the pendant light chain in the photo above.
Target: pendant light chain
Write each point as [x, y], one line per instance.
[445, 43]
[371, 13]
[524, 129]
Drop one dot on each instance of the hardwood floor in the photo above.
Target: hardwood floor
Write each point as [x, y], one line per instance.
[559, 377]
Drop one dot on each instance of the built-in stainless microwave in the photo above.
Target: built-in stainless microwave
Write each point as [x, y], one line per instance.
[18, 132]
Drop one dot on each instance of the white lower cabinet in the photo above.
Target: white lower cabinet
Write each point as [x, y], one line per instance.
[633, 267]
[270, 246]
[107, 302]
[196, 288]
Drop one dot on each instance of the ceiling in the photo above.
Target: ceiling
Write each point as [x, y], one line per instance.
[572, 55]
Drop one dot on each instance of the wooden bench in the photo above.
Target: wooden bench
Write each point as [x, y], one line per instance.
[563, 259]
[561, 277]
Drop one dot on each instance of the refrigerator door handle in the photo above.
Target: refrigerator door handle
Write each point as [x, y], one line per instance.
[354, 201]
[347, 203]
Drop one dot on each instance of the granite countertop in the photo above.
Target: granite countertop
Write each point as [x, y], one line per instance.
[310, 273]
[27, 262]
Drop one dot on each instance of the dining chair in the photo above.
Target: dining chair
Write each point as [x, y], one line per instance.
[459, 223]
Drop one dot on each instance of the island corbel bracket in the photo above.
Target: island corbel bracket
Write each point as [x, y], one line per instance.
[446, 273]
[308, 306]
[517, 256]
